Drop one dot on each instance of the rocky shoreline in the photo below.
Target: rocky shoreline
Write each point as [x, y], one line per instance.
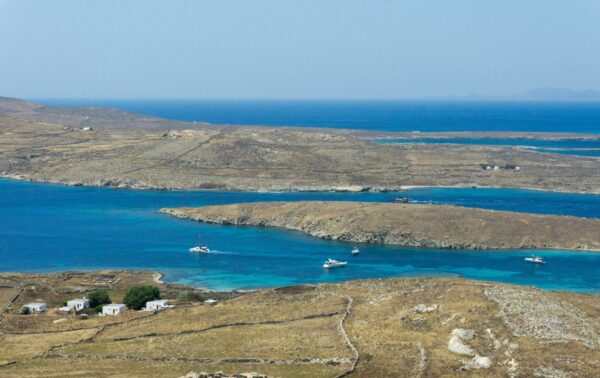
[409, 225]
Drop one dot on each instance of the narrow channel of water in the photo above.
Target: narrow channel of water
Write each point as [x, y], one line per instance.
[580, 147]
[46, 227]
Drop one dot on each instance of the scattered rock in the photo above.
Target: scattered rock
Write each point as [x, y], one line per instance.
[220, 374]
[421, 308]
[550, 372]
[453, 317]
[477, 362]
[530, 312]
[457, 345]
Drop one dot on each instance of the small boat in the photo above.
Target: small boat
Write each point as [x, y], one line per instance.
[535, 260]
[331, 263]
[355, 251]
[402, 200]
[200, 249]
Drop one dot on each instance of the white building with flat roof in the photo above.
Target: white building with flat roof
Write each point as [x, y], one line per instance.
[159, 304]
[78, 304]
[210, 302]
[113, 309]
[36, 307]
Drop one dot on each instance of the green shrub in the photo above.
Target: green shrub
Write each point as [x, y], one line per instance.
[190, 296]
[98, 298]
[88, 311]
[137, 297]
[25, 310]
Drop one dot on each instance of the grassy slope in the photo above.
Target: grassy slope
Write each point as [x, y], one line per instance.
[301, 331]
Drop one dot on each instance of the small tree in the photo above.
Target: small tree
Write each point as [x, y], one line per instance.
[137, 297]
[99, 298]
[25, 310]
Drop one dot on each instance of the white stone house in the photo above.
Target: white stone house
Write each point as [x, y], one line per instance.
[159, 304]
[36, 307]
[113, 309]
[78, 304]
[210, 302]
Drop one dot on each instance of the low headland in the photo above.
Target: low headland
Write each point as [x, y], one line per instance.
[409, 225]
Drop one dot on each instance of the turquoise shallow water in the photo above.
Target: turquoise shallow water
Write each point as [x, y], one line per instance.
[581, 147]
[47, 227]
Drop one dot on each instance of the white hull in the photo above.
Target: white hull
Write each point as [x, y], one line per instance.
[338, 265]
[199, 249]
[534, 260]
[329, 264]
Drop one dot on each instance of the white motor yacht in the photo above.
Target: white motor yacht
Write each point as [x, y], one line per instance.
[200, 249]
[355, 251]
[535, 260]
[331, 263]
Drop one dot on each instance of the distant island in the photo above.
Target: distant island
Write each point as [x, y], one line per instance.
[558, 95]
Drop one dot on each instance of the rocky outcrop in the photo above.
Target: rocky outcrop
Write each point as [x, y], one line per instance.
[409, 225]
[538, 314]
[457, 344]
[421, 308]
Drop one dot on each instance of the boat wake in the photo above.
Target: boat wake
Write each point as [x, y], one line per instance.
[218, 252]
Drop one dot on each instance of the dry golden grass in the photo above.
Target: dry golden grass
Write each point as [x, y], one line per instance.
[313, 338]
[300, 332]
[57, 368]
[16, 347]
[270, 159]
[253, 307]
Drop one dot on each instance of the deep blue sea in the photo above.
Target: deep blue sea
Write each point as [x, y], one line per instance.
[45, 227]
[370, 115]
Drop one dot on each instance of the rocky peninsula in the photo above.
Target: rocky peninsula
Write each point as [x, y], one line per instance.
[409, 225]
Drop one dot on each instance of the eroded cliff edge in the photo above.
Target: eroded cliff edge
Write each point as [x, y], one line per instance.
[410, 225]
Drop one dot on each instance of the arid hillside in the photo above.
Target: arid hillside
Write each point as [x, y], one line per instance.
[410, 225]
[264, 159]
[373, 328]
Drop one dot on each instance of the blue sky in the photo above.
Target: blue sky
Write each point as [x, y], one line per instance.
[367, 49]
